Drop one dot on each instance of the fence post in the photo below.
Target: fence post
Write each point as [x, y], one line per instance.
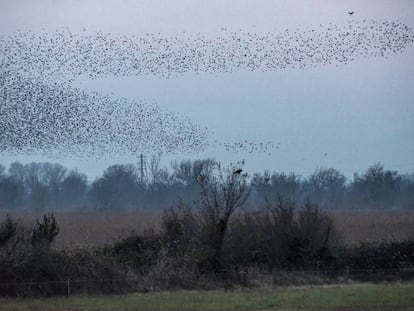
[68, 287]
[317, 268]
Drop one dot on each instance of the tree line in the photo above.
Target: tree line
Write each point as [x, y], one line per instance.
[51, 186]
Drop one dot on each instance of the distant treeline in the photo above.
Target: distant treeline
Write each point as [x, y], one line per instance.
[45, 186]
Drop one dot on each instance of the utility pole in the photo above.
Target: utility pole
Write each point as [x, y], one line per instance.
[142, 167]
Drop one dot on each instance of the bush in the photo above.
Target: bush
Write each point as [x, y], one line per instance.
[384, 256]
[29, 267]
[180, 230]
[45, 232]
[8, 230]
[47, 273]
[316, 237]
[138, 252]
[282, 237]
[182, 247]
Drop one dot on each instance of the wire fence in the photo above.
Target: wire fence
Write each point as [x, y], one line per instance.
[221, 279]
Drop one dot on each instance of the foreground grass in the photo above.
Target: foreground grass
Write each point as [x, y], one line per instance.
[341, 297]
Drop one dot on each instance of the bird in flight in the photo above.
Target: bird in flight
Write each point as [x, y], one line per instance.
[350, 13]
[238, 171]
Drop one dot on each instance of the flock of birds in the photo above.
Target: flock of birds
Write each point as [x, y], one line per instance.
[41, 111]
[251, 146]
[61, 120]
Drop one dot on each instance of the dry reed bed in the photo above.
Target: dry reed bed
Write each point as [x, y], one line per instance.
[97, 229]
[357, 227]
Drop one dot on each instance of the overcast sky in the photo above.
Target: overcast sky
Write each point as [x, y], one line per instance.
[346, 117]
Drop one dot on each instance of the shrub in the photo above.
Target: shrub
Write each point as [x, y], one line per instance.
[316, 236]
[8, 230]
[45, 232]
[47, 273]
[383, 256]
[283, 237]
[138, 252]
[182, 248]
[180, 230]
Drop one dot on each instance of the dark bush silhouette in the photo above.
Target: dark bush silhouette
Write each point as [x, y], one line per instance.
[316, 236]
[139, 252]
[45, 232]
[8, 229]
[26, 258]
[50, 272]
[382, 256]
[283, 236]
[180, 230]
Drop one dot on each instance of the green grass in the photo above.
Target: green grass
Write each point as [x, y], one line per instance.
[341, 297]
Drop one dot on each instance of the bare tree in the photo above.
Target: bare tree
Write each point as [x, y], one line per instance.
[275, 186]
[119, 187]
[158, 174]
[74, 190]
[188, 172]
[222, 194]
[326, 186]
[378, 187]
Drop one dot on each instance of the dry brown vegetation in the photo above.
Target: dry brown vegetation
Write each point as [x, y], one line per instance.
[374, 226]
[97, 229]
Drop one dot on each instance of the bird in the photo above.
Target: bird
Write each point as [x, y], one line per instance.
[238, 171]
[350, 13]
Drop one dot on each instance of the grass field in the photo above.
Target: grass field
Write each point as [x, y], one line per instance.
[343, 297]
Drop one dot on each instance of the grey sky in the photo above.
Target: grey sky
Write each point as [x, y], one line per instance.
[357, 113]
